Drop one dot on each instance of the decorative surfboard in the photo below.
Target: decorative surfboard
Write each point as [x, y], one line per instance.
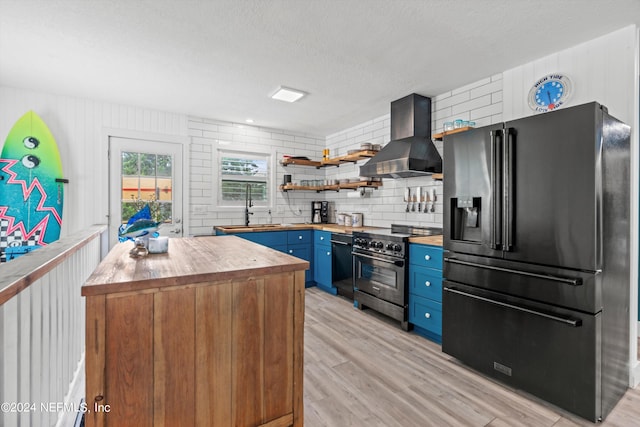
[31, 188]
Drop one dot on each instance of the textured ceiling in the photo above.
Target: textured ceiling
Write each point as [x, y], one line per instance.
[222, 58]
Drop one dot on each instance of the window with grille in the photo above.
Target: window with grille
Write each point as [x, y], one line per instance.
[241, 172]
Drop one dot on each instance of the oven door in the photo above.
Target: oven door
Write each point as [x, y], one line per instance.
[381, 276]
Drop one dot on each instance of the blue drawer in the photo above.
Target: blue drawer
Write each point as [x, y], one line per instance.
[299, 237]
[322, 237]
[426, 314]
[425, 256]
[425, 282]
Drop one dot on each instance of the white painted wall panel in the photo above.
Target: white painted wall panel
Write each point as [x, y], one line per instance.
[78, 125]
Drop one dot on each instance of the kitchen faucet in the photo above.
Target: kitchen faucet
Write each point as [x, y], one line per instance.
[247, 204]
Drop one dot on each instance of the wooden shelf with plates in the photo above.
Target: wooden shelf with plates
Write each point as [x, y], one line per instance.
[441, 135]
[335, 187]
[334, 161]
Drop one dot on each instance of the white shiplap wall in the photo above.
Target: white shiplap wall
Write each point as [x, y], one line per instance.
[479, 101]
[605, 70]
[79, 127]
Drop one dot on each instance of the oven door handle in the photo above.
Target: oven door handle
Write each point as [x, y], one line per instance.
[340, 243]
[568, 281]
[568, 321]
[397, 262]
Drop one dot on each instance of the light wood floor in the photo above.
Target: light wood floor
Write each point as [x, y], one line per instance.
[362, 370]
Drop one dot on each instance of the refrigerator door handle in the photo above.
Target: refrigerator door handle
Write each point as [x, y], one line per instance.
[507, 193]
[495, 223]
[569, 281]
[568, 321]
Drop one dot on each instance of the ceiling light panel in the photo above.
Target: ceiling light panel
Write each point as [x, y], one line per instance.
[287, 94]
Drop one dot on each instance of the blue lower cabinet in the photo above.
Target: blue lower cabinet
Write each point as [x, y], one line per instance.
[425, 290]
[297, 243]
[425, 282]
[426, 317]
[303, 252]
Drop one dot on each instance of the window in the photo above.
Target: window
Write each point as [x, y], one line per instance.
[146, 178]
[239, 171]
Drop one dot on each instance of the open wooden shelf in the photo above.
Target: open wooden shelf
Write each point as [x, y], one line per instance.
[337, 187]
[349, 158]
[439, 136]
[335, 161]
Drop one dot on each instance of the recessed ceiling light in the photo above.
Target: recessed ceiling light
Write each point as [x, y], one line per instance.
[287, 94]
[249, 120]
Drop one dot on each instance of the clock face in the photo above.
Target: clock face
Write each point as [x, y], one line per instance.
[550, 92]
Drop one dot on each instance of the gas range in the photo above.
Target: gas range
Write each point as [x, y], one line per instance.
[391, 242]
[380, 271]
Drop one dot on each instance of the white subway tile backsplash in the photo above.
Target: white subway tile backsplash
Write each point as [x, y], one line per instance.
[461, 110]
[486, 111]
[490, 88]
[480, 101]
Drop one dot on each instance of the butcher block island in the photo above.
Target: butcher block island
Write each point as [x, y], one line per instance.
[209, 334]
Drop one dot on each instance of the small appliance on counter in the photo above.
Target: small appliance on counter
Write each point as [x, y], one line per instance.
[320, 212]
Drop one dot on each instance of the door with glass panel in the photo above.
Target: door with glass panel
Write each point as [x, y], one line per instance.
[144, 172]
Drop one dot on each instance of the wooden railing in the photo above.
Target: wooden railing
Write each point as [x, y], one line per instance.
[42, 317]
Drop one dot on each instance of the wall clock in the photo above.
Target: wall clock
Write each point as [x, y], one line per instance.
[550, 92]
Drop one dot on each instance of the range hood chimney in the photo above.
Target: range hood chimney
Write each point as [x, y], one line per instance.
[410, 151]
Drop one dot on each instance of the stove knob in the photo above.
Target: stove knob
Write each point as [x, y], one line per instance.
[389, 246]
[379, 245]
[356, 241]
[397, 247]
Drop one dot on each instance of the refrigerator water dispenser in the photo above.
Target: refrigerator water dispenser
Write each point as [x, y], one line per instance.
[466, 212]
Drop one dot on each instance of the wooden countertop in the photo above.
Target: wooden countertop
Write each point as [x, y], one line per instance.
[189, 260]
[334, 228]
[427, 240]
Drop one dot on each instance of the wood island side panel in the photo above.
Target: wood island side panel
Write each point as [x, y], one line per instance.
[214, 353]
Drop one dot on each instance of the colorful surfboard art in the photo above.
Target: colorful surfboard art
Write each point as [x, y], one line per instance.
[31, 188]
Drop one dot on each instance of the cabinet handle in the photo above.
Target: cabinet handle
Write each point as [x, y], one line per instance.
[427, 283]
[321, 237]
[299, 237]
[427, 257]
[427, 315]
[290, 251]
[328, 253]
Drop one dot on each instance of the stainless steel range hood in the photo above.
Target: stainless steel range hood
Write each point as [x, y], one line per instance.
[410, 151]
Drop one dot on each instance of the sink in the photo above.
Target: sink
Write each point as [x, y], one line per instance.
[244, 227]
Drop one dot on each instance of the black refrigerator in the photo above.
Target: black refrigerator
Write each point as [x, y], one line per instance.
[536, 255]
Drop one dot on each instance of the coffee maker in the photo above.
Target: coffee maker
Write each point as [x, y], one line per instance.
[320, 212]
[316, 212]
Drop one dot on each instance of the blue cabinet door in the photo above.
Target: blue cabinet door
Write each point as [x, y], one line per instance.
[322, 238]
[425, 256]
[322, 265]
[425, 282]
[427, 315]
[302, 252]
[301, 237]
